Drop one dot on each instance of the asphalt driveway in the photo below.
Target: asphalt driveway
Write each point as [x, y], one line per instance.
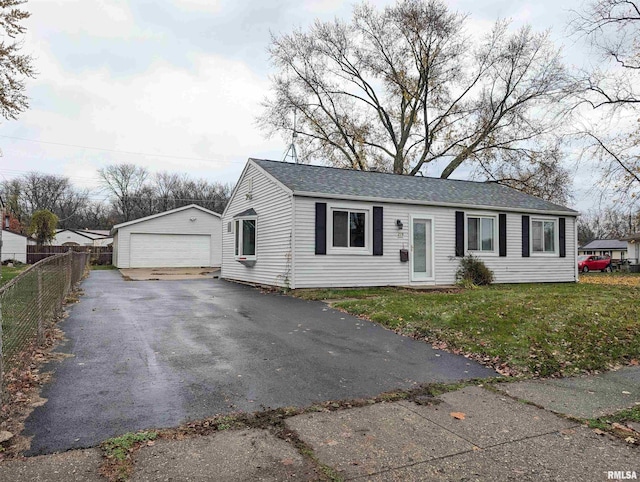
[152, 354]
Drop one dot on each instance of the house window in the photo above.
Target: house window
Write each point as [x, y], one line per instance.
[245, 238]
[543, 236]
[481, 233]
[349, 229]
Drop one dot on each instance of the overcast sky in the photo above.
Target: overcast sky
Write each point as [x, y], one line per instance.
[176, 84]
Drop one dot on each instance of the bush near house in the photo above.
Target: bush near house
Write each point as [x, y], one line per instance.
[529, 329]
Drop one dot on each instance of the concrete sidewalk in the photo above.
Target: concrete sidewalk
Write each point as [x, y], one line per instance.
[469, 434]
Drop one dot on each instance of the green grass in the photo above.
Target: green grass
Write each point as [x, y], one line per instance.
[342, 293]
[118, 448]
[531, 329]
[616, 424]
[9, 273]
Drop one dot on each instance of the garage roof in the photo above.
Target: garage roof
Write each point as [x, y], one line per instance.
[153, 216]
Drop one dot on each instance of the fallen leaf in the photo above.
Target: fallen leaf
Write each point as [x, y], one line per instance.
[457, 415]
[634, 362]
[151, 443]
[568, 431]
[598, 431]
[621, 427]
[286, 461]
[630, 440]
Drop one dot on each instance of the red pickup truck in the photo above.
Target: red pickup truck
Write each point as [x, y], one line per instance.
[592, 262]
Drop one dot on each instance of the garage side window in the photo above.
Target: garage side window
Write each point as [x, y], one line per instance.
[245, 238]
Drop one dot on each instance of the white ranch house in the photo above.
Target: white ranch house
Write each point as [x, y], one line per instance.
[303, 226]
[81, 237]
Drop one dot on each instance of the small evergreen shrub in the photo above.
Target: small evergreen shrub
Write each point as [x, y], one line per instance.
[473, 271]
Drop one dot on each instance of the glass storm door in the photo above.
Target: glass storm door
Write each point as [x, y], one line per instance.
[421, 249]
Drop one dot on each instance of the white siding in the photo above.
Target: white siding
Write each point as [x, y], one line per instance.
[67, 236]
[340, 270]
[272, 204]
[634, 251]
[173, 223]
[114, 259]
[151, 250]
[14, 246]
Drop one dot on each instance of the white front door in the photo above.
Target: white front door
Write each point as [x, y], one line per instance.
[421, 248]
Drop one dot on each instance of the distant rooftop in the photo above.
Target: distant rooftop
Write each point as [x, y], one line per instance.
[604, 244]
[304, 178]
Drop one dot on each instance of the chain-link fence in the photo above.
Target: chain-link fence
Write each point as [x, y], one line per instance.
[32, 301]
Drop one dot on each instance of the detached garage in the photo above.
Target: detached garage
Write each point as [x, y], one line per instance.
[189, 236]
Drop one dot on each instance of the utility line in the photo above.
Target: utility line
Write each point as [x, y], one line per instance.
[166, 156]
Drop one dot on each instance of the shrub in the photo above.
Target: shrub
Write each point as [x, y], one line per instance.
[473, 271]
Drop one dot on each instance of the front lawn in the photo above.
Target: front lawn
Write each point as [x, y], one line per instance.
[9, 273]
[528, 329]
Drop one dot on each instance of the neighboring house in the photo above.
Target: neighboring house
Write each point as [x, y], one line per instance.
[304, 226]
[81, 237]
[633, 248]
[614, 248]
[14, 246]
[188, 236]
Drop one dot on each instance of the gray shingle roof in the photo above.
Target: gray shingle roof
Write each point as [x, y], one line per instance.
[345, 182]
[605, 244]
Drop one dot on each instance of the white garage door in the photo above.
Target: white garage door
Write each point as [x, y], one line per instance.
[170, 250]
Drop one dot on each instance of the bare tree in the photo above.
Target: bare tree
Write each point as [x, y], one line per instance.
[36, 191]
[608, 223]
[165, 185]
[612, 28]
[14, 66]
[123, 182]
[405, 87]
[539, 173]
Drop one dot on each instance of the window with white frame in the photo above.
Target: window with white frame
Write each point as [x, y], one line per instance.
[481, 233]
[245, 238]
[349, 228]
[543, 236]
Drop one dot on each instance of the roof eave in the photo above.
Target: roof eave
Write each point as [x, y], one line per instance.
[557, 212]
[158, 215]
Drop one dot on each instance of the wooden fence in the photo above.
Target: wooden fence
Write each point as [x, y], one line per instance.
[99, 254]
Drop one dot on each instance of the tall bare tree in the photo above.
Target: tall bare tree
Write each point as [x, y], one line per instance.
[15, 67]
[612, 29]
[36, 191]
[404, 88]
[123, 182]
[540, 173]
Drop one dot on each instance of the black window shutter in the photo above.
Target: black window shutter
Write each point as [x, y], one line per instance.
[502, 234]
[459, 233]
[321, 228]
[377, 230]
[562, 237]
[525, 236]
